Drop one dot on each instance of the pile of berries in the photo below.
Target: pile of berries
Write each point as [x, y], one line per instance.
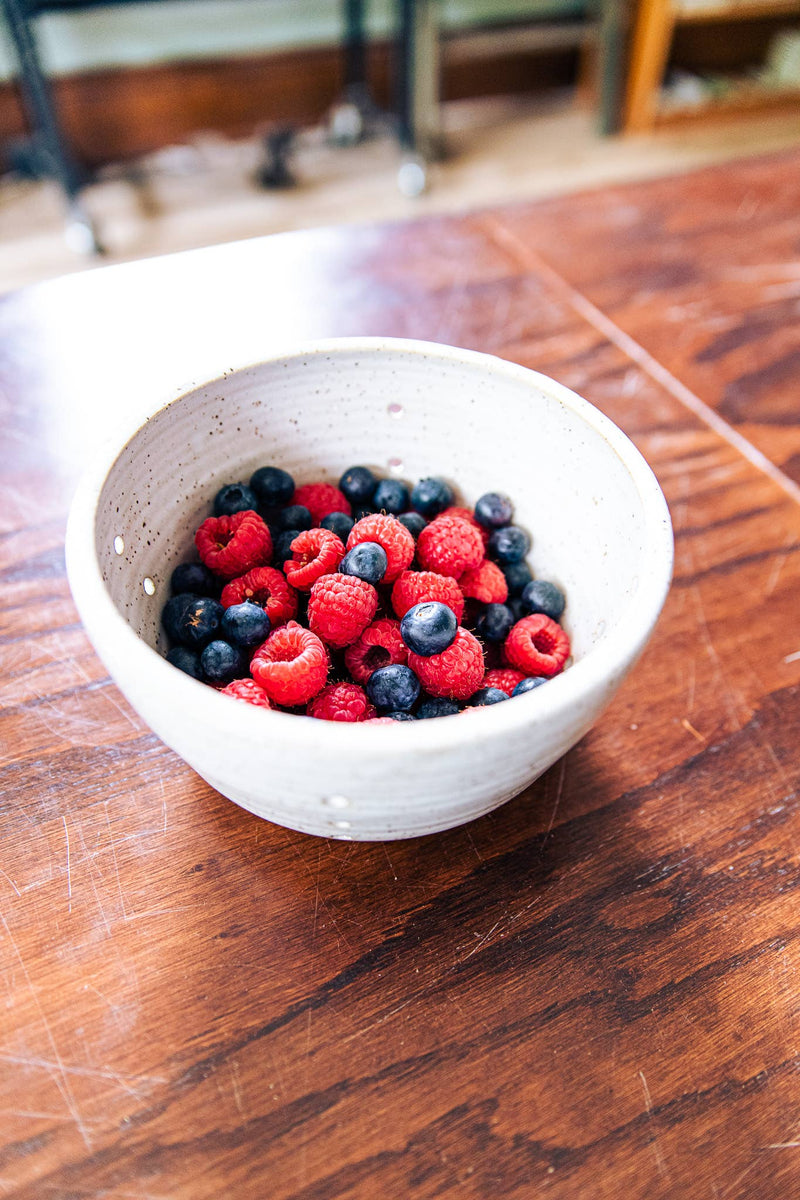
[370, 601]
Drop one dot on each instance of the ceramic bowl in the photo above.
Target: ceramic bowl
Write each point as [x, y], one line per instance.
[598, 520]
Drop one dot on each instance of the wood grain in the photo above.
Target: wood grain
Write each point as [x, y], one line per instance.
[592, 992]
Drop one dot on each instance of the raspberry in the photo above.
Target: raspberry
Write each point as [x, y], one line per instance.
[230, 546]
[321, 499]
[449, 545]
[378, 646]
[341, 702]
[456, 673]
[248, 691]
[291, 666]
[340, 607]
[466, 514]
[504, 678]
[414, 587]
[537, 645]
[265, 586]
[485, 582]
[392, 535]
[315, 552]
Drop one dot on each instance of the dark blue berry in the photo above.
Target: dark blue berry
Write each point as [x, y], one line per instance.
[233, 498]
[494, 510]
[429, 628]
[362, 510]
[431, 496]
[221, 662]
[273, 486]
[357, 484]
[494, 623]
[540, 596]
[527, 685]
[517, 607]
[517, 574]
[509, 544]
[485, 696]
[414, 522]
[338, 523]
[186, 661]
[294, 516]
[173, 612]
[193, 577]
[282, 546]
[401, 716]
[199, 622]
[245, 624]
[393, 688]
[366, 561]
[390, 496]
[436, 706]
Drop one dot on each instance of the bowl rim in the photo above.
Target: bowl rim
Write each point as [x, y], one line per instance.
[616, 651]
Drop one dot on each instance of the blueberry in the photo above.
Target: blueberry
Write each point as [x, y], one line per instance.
[431, 496]
[338, 523]
[509, 544]
[517, 607]
[294, 516]
[414, 522]
[527, 685]
[233, 498]
[358, 484]
[199, 622]
[221, 662]
[394, 688]
[493, 510]
[436, 706]
[193, 577]
[494, 623]
[429, 628]
[366, 561]
[282, 546]
[540, 596]
[185, 660]
[485, 696]
[517, 575]
[173, 612]
[362, 510]
[401, 716]
[273, 486]
[245, 624]
[390, 496]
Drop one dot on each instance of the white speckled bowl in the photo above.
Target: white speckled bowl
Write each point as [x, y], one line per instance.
[599, 523]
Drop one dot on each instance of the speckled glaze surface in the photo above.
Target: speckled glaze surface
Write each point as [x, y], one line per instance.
[599, 523]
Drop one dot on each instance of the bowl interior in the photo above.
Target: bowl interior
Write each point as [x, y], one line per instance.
[481, 423]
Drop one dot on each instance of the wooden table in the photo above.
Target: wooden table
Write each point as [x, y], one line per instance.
[593, 992]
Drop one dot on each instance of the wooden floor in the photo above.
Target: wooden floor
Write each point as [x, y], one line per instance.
[498, 150]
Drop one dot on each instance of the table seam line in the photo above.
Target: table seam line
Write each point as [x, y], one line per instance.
[532, 259]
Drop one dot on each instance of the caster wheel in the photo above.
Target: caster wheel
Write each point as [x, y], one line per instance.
[412, 178]
[346, 125]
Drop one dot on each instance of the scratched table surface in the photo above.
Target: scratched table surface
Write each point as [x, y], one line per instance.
[592, 992]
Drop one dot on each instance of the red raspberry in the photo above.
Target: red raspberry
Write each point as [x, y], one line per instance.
[505, 678]
[321, 499]
[412, 587]
[485, 582]
[466, 514]
[291, 665]
[341, 702]
[537, 646]
[456, 673]
[315, 552]
[450, 546]
[340, 608]
[397, 541]
[229, 546]
[248, 691]
[267, 587]
[380, 645]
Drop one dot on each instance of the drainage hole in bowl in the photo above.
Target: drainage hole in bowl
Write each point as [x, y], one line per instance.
[396, 466]
[395, 410]
[119, 544]
[149, 586]
[336, 801]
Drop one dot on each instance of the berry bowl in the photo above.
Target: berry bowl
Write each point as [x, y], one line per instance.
[598, 520]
